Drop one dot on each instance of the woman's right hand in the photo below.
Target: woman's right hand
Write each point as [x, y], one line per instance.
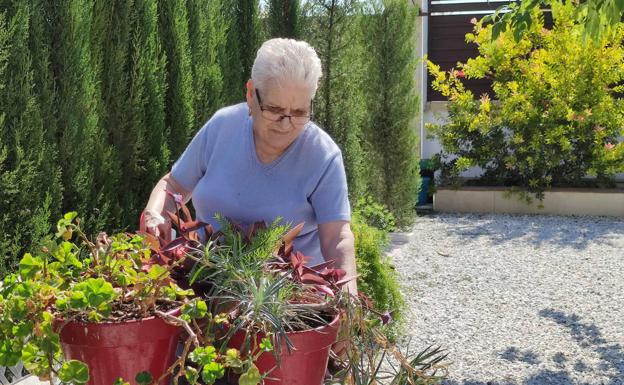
[155, 218]
[157, 225]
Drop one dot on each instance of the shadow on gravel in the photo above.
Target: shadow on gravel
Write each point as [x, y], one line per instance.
[587, 335]
[513, 354]
[544, 377]
[538, 230]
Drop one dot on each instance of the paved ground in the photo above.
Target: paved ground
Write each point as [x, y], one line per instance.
[517, 299]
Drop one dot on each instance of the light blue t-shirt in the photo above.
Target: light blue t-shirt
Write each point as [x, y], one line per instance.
[306, 183]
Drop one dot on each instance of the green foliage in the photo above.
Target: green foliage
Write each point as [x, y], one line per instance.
[375, 214]
[144, 378]
[229, 59]
[377, 279]
[392, 99]
[180, 115]
[90, 171]
[332, 28]
[28, 159]
[283, 18]
[558, 116]
[243, 40]
[207, 33]
[74, 372]
[249, 33]
[598, 17]
[80, 280]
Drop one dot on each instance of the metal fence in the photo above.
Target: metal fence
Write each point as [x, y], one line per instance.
[13, 374]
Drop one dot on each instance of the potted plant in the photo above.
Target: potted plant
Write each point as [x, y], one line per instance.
[104, 311]
[287, 315]
[277, 318]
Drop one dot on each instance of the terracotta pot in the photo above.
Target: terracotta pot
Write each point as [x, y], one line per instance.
[306, 364]
[124, 349]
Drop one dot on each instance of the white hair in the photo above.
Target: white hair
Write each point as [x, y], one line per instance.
[286, 60]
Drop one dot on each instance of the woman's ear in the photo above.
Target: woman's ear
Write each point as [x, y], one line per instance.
[249, 89]
[249, 95]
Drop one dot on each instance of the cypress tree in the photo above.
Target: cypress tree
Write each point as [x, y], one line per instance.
[110, 51]
[244, 33]
[283, 18]
[207, 32]
[148, 77]
[174, 29]
[29, 182]
[230, 59]
[5, 175]
[392, 103]
[332, 28]
[249, 33]
[88, 172]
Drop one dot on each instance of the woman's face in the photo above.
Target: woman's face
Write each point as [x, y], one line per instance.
[273, 138]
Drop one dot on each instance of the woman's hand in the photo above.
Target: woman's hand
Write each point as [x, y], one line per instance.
[154, 216]
[338, 244]
[157, 225]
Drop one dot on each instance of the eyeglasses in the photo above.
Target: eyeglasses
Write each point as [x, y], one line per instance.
[297, 119]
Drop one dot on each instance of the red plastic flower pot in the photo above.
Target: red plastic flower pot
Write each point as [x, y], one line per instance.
[306, 364]
[124, 349]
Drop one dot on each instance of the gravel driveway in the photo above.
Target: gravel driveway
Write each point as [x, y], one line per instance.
[517, 299]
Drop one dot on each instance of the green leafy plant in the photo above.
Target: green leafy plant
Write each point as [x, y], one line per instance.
[375, 214]
[378, 278]
[267, 290]
[110, 279]
[557, 115]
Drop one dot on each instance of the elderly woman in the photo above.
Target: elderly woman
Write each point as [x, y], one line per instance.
[265, 159]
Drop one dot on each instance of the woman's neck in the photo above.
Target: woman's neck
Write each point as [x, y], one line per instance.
[265, 153]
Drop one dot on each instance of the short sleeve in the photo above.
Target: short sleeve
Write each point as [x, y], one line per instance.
[330, 198]
[191, 165]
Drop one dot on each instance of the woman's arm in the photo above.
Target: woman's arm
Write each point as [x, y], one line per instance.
[156, 221]
[338, 244]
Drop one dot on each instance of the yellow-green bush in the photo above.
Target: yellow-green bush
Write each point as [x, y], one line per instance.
[559, 111]
[378, 279]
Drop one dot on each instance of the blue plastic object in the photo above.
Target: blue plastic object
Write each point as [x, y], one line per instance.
[423, 195]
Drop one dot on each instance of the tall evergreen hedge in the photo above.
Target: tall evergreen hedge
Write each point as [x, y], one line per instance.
[331, 27]
[180, 114]
[99, 97]
[392, 105]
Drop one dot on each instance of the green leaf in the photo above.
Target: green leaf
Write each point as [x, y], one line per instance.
[194, 310]
[22, 329]
[191, 375]
[266, 344]
[78, 300]
[70, 216]
[250, 377]
[232, 359]
[158, 272]
[203, 355]
[97, 291]
[212, 372]
[29, 266]
[144, 378]
[74, 372]
[8, 357]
